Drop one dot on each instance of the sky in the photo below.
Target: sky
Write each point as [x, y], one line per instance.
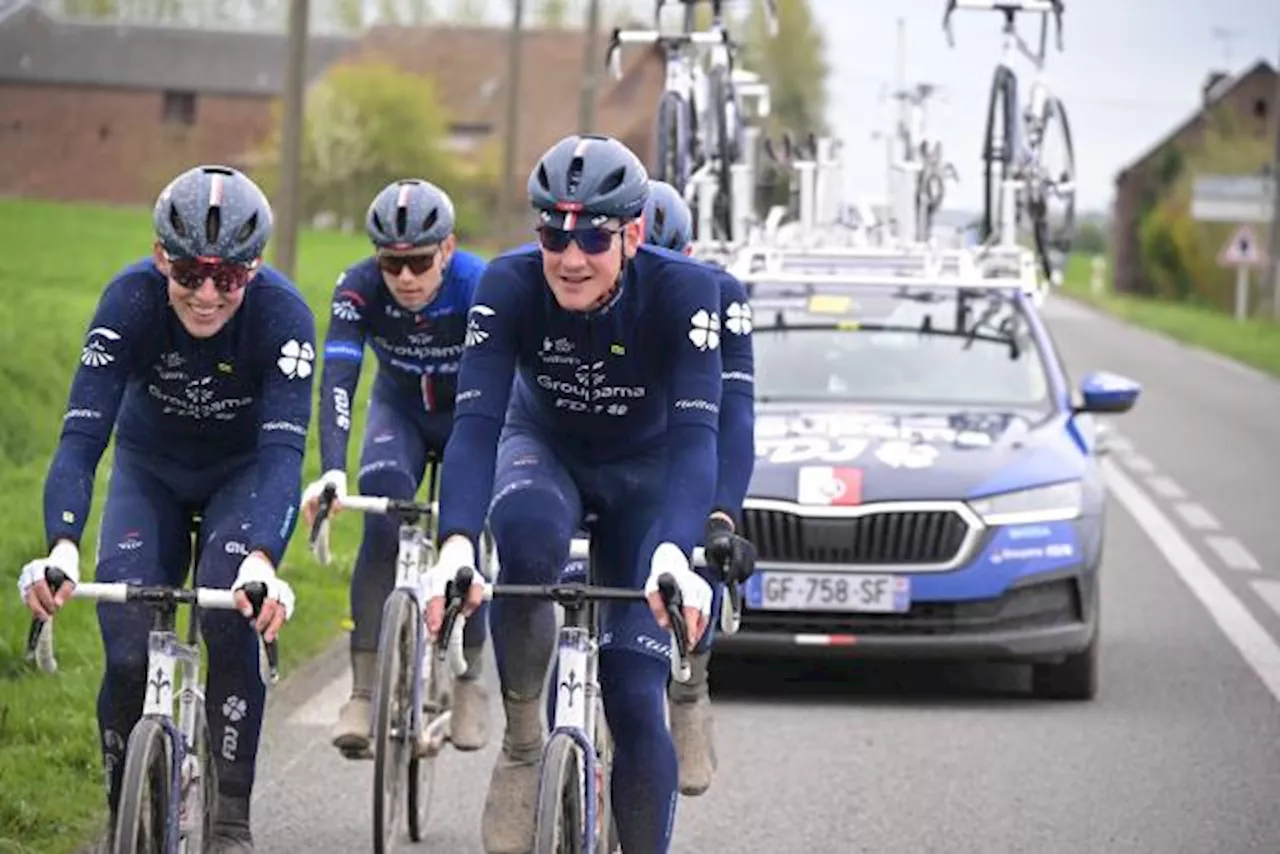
[1130, 72]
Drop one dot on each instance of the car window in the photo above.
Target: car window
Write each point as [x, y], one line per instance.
[925, 358]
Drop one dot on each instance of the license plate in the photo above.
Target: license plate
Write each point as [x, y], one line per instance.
[840, 592]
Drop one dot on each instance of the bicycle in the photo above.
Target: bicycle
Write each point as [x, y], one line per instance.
[923, 156]
[413, 692]
[169, 790]
[699, 121]
[574, 810]
[1013, 147]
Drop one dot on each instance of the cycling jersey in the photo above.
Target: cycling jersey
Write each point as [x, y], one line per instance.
[641, 373]
[736, 446]
[418, 352]
[187, 403]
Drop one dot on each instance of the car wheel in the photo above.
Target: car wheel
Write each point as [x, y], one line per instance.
[1074, 678]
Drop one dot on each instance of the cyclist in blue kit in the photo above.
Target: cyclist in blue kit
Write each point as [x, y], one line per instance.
[591, 383]
[200, 359]
[409, 303]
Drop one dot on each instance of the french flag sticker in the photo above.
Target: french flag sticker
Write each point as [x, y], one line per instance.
[829, 487]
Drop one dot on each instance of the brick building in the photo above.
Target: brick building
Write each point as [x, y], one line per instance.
[1249, 96]
[105, 112]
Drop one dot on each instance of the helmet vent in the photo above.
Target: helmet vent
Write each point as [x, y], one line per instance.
[574, 178]
[246, 231]
[613, 180]
[175, 220]
[430, 221]
[213, 223]
[402, 219]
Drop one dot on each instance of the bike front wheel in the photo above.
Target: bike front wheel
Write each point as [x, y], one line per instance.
[436, 710]
[393, 714]
[1054, 217]
[998, 152]
[142, 819]
[561, 816]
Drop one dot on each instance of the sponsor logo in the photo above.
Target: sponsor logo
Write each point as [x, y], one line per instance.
[296, 358]
[94, 354]
[705, 331]
[737, 318]
[476, 333]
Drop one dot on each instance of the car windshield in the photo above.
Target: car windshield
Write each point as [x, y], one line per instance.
[903, 346]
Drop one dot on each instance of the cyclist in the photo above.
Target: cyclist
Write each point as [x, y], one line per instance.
[200, 358]
[669, 224]
[614, 352]
[409, 301]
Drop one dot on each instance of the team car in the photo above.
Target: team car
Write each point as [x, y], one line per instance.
[927, 481]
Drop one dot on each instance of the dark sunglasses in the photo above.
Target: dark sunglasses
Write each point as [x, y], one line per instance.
[592, 241]
[417, 264]
[228, 278]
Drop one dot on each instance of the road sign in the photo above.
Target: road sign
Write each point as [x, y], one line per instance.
[1232, 198]
[1242, 250]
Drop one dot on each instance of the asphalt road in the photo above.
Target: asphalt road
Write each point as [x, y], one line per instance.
[1179, 753]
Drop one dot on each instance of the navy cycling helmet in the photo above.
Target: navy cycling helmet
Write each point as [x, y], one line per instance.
[409, 213]
[668, 222]
[589, 177]
[214, 213]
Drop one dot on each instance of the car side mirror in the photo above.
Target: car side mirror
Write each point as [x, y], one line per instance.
[1102, 392]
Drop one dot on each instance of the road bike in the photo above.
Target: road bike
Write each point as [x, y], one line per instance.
[169, 790]
[924, 157]
[1017, 178]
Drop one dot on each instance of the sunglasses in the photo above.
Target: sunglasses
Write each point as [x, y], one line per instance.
[417, 264]
[592, 241]
[228, 278]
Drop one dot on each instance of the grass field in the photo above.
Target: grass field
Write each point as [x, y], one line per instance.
[54, 262]
[1254, 342]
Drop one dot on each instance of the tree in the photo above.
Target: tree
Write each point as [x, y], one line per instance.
[793, 64]
[468, 11]
[366, 125]
[552, 14]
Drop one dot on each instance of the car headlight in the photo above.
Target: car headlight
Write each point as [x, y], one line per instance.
[1054, 503]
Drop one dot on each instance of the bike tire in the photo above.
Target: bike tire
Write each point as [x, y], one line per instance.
[393, 696]
[671, 161]
[561, 811]
[203, 748]
[145, 791]
[607, 840]
[1048, 235]
[721, 96]
[437, 700]
[997, 148]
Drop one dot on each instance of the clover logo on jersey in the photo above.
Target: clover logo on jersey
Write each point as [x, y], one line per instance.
[95, 353]
[737, 318]
[705, 333]
[476, 334]
[296, 359]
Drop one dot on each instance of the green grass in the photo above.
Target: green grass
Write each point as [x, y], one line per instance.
[55, 260]
[1255, 342]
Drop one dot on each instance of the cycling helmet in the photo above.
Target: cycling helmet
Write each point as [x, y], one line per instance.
[589, 176]
[409, 213]
[668, 222]
[215, 213]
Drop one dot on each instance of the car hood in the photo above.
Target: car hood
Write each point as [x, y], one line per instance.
[860, 454]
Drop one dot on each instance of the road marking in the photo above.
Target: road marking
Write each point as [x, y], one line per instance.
[1197, 517]
[1166, 487]
[321, 709]
[1258, 648]
[1233, 553]
[1118, 444]
[1139, 464]
[1269, 591]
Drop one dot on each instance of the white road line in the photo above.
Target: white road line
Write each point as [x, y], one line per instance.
[1258, 648]
[1139, 464]
[1197, 517]
[1233, 553]
[1166, 487]
[321, 708]
[1269, 591]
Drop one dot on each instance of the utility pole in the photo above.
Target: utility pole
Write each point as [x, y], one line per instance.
[506, 196]
[1274, 260]
[590, 71]
[287, 213]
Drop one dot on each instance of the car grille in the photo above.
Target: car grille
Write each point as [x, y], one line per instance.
[901, 537]
[1023, 608]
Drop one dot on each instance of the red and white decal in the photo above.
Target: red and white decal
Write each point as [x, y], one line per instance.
[827, 486]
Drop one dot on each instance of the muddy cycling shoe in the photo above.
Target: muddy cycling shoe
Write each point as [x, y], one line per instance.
[355, 719]
[231, 831]
[690, 713]
[510, 808]
[469, 721]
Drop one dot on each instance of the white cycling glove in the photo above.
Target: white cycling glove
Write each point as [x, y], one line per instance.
[668, 559]
[455, 553]
[64, 556]
[336, 477]
[257, 568]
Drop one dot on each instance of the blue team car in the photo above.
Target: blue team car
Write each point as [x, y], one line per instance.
[927, 480]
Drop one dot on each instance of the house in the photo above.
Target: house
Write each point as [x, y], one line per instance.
[106, 112]
[1249, 96]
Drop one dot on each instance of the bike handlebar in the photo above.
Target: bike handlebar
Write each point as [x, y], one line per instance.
[570, 594]
[40, 634]
[405, 510]
[1009, 8]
